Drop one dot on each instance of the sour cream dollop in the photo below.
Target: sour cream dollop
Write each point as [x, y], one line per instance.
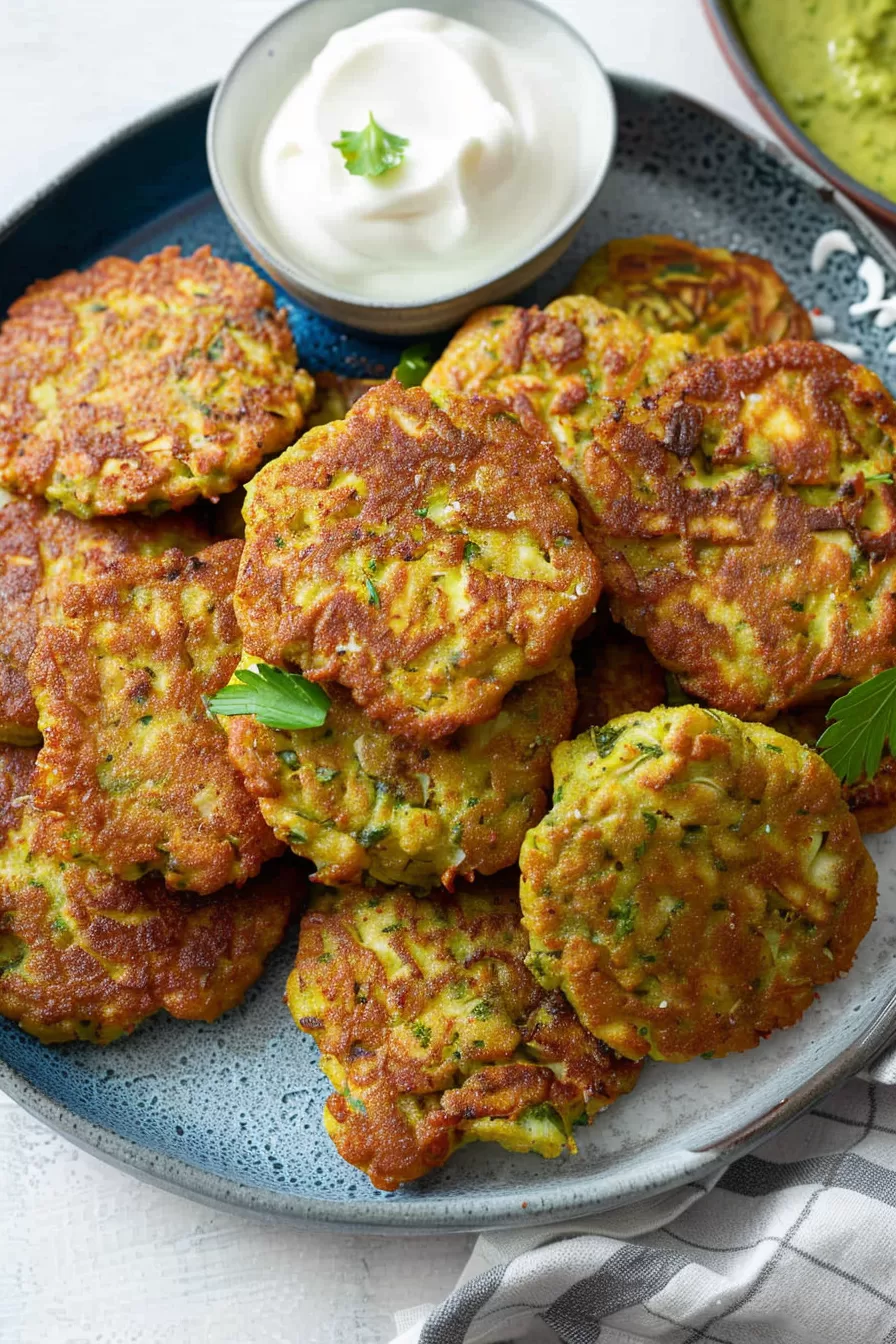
[493, 161]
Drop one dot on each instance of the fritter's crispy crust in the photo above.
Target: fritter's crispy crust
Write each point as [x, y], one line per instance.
[132, 761]
[871, 801]
[695, 880]
[731, 301]
[427, 557]
[616, 674]
[434, 1033]
[355, 800]
[140, 384]
[41, 553]
[86, 956]
[741, 529]
[564, 369]
[334, 396]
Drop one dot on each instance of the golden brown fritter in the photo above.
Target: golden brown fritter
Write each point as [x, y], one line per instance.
[696, 878]
[334, 396]
[745, 521]
[355, 800]
[616, 674]
[434, 1034]
[425, 556]
[730, 301]
[86, 956]
[41, 553]
[145, 385]
[132, 762]
[563, 370]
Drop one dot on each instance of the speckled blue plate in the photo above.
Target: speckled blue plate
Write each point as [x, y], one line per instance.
[230, 1113]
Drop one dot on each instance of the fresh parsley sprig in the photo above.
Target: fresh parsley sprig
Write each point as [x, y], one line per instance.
[276, 698]
[413, 365]
[371, 152]
[862, 723]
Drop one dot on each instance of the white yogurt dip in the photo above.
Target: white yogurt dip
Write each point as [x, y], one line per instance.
[492, 162]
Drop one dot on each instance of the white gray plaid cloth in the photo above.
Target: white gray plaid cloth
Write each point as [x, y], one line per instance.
[793, 1244]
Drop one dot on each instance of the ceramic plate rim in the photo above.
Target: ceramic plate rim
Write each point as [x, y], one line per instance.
[590, 1193]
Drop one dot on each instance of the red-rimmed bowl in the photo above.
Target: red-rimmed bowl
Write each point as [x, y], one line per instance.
[727, 33]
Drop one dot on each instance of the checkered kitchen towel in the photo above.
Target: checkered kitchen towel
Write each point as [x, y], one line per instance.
[794, 1244]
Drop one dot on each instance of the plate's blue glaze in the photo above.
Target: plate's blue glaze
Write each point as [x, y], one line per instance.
[231, 1112]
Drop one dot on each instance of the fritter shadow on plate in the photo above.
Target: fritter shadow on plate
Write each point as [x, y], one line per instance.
[434, 1034]
[730, 301]
[425, 556]
[85, 956]
[132, 762]
[696, 878]
[145, 385]
[354, 799]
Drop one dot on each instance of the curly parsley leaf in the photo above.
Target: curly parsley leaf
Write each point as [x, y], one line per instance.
[863, 722]
[276, 698]
[371, 152]
[413, 365]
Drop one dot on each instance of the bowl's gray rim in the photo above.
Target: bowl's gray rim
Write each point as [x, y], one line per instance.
[590, 1194]
[278, 263]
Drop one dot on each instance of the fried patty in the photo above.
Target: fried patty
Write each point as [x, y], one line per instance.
[355, 800]
[616, 674]
[695, 880]
[145, 385]
[41, 553]
[86, 956]
[745, 521]
[730, 301]
[425, 556]
[564, 369]
[434, 1034]
[132, 762]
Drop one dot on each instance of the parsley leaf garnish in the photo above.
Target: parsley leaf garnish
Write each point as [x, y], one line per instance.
[413, 365]
[276, 698]
[864, 720]
[884, 477]
[371, 152]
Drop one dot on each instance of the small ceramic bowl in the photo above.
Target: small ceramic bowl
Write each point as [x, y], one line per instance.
[727, 33]
[260, 79]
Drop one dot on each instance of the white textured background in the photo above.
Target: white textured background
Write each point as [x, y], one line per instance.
[88, 1255]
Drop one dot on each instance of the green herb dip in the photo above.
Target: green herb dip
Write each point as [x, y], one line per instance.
[832, 66]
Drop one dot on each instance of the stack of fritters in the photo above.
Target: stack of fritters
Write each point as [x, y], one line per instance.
[419, 553]
[425, 562]
[132, 386]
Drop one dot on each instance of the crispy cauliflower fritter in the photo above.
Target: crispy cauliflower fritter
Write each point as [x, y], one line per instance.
[86, 956]
[41, 553]
[137, 386]
[730, 301]
[746, 525]
[563, 370]
[355, 800]
[695, 880]
[132, 762]
[425, 556]
[434, 1034]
